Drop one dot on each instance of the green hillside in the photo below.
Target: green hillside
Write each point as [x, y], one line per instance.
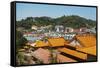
[73, 21]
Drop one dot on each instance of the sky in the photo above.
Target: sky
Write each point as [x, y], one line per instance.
[24, 10]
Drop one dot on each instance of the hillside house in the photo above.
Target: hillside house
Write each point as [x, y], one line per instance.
[68, 29]
[59, 28]
[34, 27]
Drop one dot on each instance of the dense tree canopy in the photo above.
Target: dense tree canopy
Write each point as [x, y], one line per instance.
[68, 21]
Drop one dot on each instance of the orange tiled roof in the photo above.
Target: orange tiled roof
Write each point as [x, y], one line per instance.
[40, 44]
[89, 50]
[62, 58]
[73, 53]
[87, 40]
[42, 54]
[54, 42]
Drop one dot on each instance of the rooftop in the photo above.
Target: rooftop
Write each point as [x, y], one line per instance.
[55, 42]
[86, 40]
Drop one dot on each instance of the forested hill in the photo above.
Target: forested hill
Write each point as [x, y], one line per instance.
[73, 21]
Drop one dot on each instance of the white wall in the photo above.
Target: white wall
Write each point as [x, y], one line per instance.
[5, 34]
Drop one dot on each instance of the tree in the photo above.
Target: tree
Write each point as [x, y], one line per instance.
[73, 21]
[20, 40]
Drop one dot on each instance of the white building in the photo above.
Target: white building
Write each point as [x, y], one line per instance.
[83, 29]
[68, 30]
[59, 28]
[34, 27]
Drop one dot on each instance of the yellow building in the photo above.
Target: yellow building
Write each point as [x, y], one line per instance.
[40, 44]
[56, 42]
